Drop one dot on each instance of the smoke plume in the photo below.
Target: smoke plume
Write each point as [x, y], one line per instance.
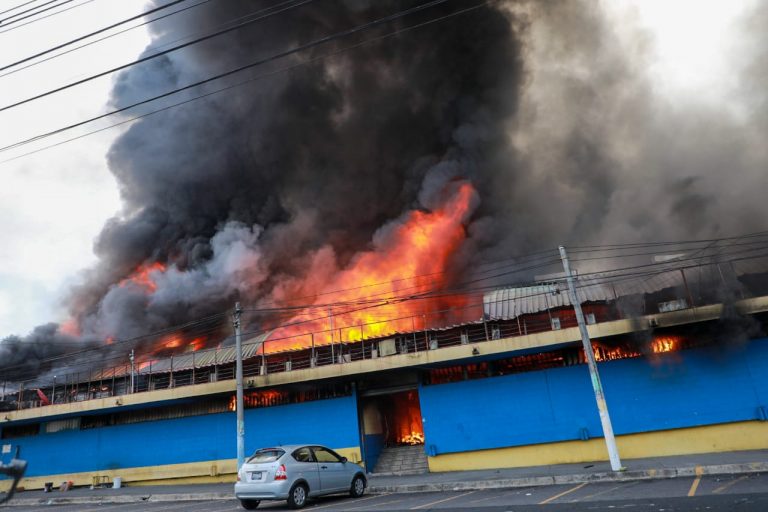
[544, 107]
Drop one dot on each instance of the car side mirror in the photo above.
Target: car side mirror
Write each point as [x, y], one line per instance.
[343, 459]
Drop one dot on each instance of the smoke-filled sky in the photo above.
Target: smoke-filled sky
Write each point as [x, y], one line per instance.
[588, 122]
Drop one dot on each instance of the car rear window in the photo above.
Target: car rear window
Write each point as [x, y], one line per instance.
[266, 455]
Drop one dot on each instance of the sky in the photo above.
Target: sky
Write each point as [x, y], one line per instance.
[53, 203]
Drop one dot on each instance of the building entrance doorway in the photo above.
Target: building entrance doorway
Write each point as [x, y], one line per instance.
[388, 420]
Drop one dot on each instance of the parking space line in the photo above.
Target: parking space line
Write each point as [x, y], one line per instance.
[175, 506]
[605, 491]
[696, 481]
[497, 496]
[98, 507]
[355, 502]
[729, 484]
[227, 506]
[441, 501]
[377, 504]
[569, 491]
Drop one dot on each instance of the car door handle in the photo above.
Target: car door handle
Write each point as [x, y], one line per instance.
[323, 467]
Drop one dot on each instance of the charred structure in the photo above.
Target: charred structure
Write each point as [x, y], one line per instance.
[275, 190]
[385, 205]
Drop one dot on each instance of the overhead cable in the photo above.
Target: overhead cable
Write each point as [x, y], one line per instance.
[86, 36]
[14, 27]
[5, 23]
[18, 6]
[153, 56]
[211, 93]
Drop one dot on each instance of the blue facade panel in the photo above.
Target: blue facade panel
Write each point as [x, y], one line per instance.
[682, 389]
[193, 439]
[674, 390]
[679, 389]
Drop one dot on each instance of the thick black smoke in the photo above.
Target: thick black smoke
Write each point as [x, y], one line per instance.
[250, 187]
[544, 106]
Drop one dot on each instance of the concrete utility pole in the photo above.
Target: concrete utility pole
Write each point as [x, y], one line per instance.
[133, 369]
[330, 319]
[239, 381]
[605, 419]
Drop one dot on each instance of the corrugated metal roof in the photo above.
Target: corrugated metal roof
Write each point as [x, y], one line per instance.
[507, 303]
[208, 357]
[186, 361]
[503, 303]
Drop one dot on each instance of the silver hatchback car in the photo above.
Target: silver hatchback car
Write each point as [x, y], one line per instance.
[296, 473]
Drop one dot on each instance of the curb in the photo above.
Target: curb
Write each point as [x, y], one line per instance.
[625, 476]
[122, 499]
[503, 483]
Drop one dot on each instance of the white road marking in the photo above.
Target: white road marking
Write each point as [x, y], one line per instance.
[441, 501]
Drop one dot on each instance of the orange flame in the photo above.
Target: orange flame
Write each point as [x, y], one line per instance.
[407, 421]
[196, 344]
[659, 345]
[143, 277]
[259, 399]
[665, 344]
[411, 260]
[413, 438]
[611, 354]
[172, 341]
[70, 327]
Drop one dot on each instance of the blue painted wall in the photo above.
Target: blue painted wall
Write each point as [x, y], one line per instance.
[683, 389]
[680, 389]
[198, 438]
[374, 444]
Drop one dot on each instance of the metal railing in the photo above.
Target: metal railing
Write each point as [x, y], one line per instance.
[116, 381]
[156, 374]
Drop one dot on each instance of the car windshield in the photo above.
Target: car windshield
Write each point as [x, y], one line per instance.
[266, 455]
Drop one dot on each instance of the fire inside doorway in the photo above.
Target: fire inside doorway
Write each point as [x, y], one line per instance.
[390, 420]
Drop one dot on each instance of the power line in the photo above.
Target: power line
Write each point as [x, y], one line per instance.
[392, 301]
[178, 328]
[138, 26]
[18, 6]
[14, 27]
[135, 339]
[609, 247]
[28, 10]
[472, 305]
[63, 2]
[659, 264]
[657, 253]
[512, 261]
[203, 96]
[153, 56]
[86, 36]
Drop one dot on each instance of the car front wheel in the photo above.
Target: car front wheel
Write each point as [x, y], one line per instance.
[297, 498]
[249, 504]
[358, 487]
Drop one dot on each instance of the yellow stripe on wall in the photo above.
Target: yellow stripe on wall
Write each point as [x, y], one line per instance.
[215, 471]
[750, 435]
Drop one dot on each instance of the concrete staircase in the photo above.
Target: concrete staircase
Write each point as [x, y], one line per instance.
[402, 460]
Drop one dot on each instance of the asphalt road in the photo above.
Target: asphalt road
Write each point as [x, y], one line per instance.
[745, 493]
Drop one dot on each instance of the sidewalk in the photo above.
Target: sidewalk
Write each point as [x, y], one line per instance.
[637, 469]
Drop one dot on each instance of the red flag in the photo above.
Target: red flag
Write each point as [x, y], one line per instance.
[43, 399]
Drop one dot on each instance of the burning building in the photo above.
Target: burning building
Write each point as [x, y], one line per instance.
[360, 198]
[509, 388]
